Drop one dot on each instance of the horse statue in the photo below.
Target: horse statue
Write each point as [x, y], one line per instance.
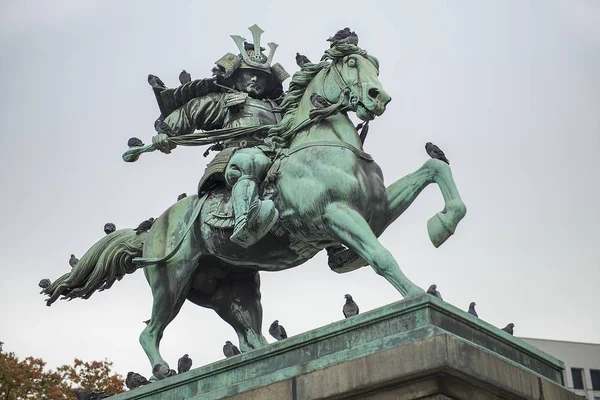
[328, 190]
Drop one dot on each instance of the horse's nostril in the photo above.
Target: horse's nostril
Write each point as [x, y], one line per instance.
[373, 93]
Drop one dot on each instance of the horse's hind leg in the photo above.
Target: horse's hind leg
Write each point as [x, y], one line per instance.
[350, 228]
[170, 283]
[237, 301]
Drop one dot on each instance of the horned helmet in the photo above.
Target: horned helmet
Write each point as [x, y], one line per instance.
[251, 57]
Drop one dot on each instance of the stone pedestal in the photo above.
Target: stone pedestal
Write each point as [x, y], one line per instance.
[422, 348]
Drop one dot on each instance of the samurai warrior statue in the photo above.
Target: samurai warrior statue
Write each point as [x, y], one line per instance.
[243, 93]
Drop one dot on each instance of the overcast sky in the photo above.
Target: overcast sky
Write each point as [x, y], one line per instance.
[510, 90]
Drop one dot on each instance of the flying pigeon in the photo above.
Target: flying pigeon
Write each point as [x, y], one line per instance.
[162, 371]
[185, 77]
[90, 395]
[344, 36]
[134, 142]
[155, 82]
[73, 261]
[301, 59]
[472, 310]
[109, 228]
[181, 196]
[230, 349]
[277, 331]
[509, 328]
[435, 152]
[135, 380]
[184, 364]
[145, 226]
[350, 308]
[434, 292]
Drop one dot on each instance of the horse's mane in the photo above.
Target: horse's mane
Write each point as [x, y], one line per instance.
[281, 134]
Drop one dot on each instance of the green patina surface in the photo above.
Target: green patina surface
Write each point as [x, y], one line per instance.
[365, 334]
[291, 179]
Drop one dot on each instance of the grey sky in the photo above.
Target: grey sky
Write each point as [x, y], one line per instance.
[510, 90]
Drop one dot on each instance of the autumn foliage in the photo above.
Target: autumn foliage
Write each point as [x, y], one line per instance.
[28, 379]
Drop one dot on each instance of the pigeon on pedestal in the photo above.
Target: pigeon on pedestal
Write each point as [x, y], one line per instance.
[277, 331]
[350, 308]
[509, 328]
[434, 292]
[230, 349]
[184, 364]
[472, 310]
[135, 380]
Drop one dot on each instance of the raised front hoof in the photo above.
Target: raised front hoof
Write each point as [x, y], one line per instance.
[438, 230]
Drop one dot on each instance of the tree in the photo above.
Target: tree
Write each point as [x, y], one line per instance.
[27, 379]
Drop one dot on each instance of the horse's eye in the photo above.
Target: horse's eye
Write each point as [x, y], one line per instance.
[352, 62]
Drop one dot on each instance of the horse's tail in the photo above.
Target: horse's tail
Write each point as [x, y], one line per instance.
[106, 261]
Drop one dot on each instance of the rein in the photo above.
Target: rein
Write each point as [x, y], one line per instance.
[316, 115]
[343, 145]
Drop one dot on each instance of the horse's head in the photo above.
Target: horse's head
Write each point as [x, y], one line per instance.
[354, 75]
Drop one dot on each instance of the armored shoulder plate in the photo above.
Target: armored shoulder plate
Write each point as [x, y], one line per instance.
[233, 99]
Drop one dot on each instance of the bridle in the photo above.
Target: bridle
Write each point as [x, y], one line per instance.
[353, 99]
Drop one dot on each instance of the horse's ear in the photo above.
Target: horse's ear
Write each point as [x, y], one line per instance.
[374, 61]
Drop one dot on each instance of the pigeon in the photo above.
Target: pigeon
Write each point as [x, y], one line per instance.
[135, 380]
[162, 371]
[434, 292]
[146, 321]
[350, 308]
[277, 331]
[301, 59]
[134, 142]
[145, 226]
[319, 101]
[184, 364]
[472, 309]
[250, 47]
[181, 196]
[230, 349]
[185, 77]
[109, 228]
[161, 126]
[73, 261]
[155, 82]
[344, 36]
[435, 152]
[90, 395]
[44, 283]
[509, 328]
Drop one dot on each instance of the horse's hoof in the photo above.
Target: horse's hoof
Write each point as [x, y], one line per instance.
[414, 291]
[438, 229]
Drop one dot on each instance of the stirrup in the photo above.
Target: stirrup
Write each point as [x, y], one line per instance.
[256, 227]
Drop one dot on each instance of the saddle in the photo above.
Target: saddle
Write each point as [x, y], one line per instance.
[214, 174]
[219, 210]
